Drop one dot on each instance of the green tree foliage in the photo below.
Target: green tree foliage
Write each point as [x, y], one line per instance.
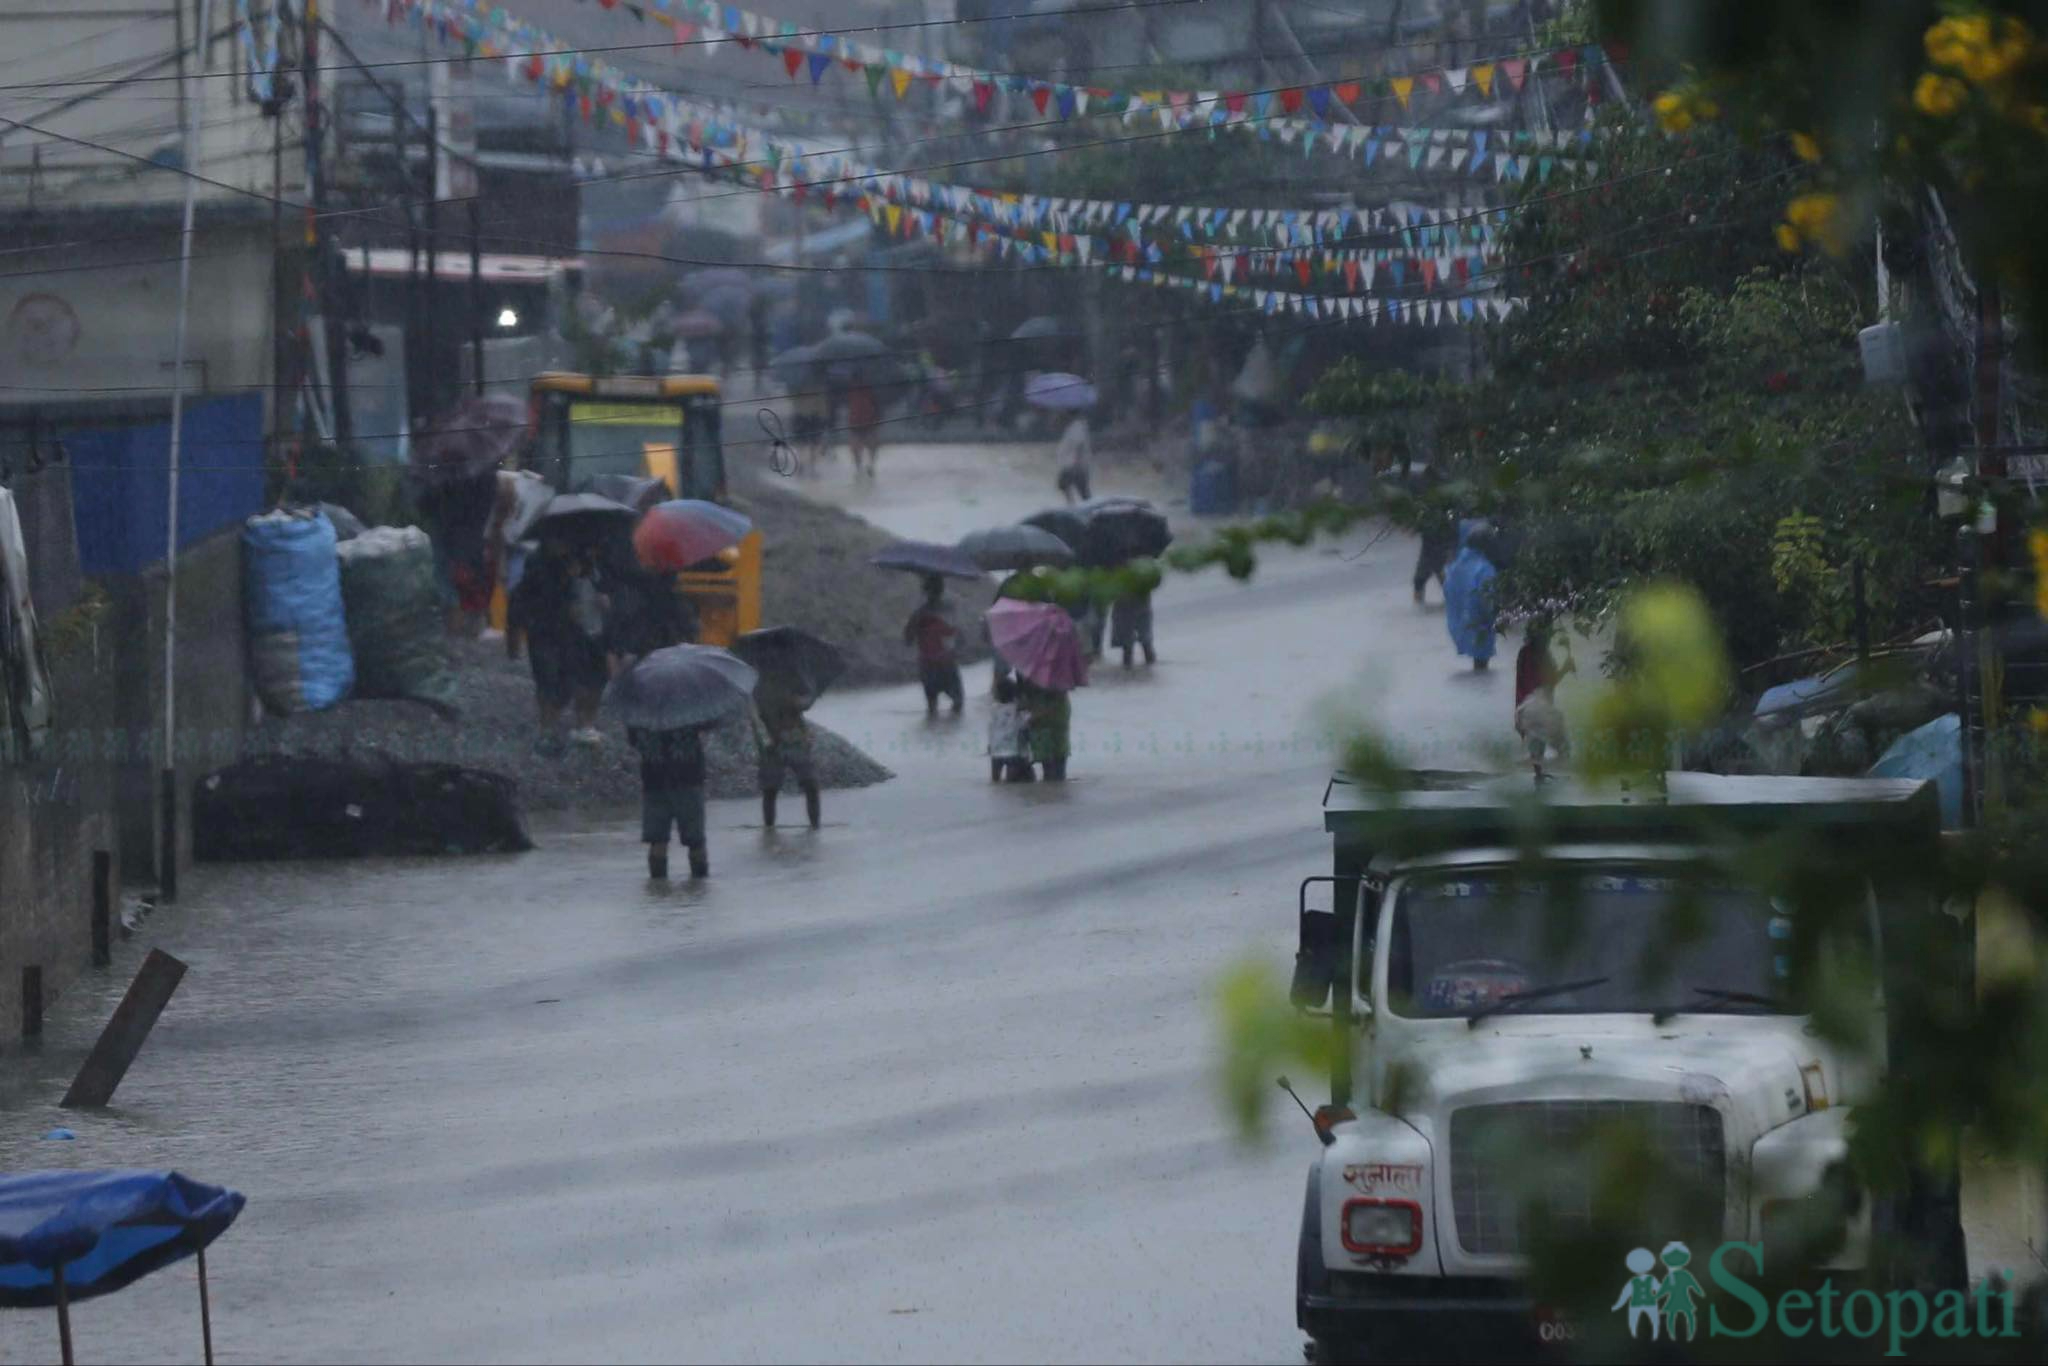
[1676, 387]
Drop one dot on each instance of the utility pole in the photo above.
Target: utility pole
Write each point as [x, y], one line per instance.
[167, 855]
[321, 285]
[433, 214]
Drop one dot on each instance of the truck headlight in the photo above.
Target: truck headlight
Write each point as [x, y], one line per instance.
[1382, 1228]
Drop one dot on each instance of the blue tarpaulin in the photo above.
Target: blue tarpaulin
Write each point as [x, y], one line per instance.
[106, 1228]
[1934, 751]
[120, 490]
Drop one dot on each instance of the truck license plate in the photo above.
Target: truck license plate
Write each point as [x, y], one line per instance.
[1555, 1327]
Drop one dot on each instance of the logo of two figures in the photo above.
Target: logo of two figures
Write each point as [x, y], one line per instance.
[1664, 1302]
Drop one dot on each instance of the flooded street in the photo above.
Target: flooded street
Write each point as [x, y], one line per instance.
[930, 1084]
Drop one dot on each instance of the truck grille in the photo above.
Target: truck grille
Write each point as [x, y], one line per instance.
[1504, 1156]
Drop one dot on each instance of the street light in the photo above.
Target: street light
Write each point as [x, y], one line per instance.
[509, 317]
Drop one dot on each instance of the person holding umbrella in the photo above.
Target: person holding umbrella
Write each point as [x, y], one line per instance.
[1076, 450]
[1039, 641]
[931, 630]
[795, 668]
[668, 699]
[557, 611]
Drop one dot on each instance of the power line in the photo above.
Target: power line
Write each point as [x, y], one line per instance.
[1691, 233]
[869, 174]
[1078, 12]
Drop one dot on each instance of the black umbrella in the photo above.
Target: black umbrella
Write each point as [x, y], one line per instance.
[681, 686]
[631, 490]
[925, 557]
[796, 367]
[1067, 523]
[1122, 529]
[1016, 547]
[793, 661]
[845, 346]
[583, 517]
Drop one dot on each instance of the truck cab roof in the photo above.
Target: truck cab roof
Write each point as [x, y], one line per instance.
[1462, 810]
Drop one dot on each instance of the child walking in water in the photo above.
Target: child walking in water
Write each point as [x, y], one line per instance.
[1009, 753]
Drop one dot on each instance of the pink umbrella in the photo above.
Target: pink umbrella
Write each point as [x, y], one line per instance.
[1039, 641]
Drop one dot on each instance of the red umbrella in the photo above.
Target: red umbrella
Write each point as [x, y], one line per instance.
[684, 531]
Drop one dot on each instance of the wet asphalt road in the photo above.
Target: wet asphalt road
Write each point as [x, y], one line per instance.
[931, 1084]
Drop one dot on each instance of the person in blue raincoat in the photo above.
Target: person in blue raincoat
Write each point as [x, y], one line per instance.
[1469, 612]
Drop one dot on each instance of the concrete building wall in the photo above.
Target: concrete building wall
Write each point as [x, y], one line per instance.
[106, 129]
[99, 322]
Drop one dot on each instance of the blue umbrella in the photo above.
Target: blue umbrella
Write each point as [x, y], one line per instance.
[68, 1236]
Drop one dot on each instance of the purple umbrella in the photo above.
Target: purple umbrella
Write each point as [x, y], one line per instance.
[1059, 392]
[471, 438]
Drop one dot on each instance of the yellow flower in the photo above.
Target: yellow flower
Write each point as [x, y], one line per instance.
[1818, 219]
[1788, 237]
[2038, 719]
[1939, 96]
[1966, 44]
[1805, 147]
[1671, 112]
[2037, 541]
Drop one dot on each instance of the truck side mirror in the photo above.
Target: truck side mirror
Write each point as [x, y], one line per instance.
[1315, 961]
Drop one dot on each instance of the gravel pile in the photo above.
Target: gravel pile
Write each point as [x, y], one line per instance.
[496, 732]
[815, 575]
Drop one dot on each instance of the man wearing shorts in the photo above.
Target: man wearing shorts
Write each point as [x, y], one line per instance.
[672, 796]
[932, 631]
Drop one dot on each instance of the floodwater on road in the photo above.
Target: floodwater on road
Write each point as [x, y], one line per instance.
[933, 1083]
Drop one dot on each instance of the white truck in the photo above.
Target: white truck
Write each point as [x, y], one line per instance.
[1480, 1051]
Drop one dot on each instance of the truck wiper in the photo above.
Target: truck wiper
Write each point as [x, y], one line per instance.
[1515, 998]
[1723, 995]
[1743, 998]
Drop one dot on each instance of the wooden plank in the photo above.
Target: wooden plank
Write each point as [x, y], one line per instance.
[125, 1033]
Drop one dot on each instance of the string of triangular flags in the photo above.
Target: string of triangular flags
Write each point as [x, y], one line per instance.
[805, 50]
[1465, 309]
[663, 123]
[1481, 153]
[1014, 226]
[1349, 269]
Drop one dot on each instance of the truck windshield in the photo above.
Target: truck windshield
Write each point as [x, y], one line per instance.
[1459, 944]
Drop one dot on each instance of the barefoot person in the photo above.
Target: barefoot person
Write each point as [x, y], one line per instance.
[783, 739]
[672, 795]
[931, 630]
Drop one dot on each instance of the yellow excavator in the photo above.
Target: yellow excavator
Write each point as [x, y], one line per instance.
[665, 427]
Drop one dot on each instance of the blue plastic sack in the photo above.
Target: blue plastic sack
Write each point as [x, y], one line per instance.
[298, 633]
